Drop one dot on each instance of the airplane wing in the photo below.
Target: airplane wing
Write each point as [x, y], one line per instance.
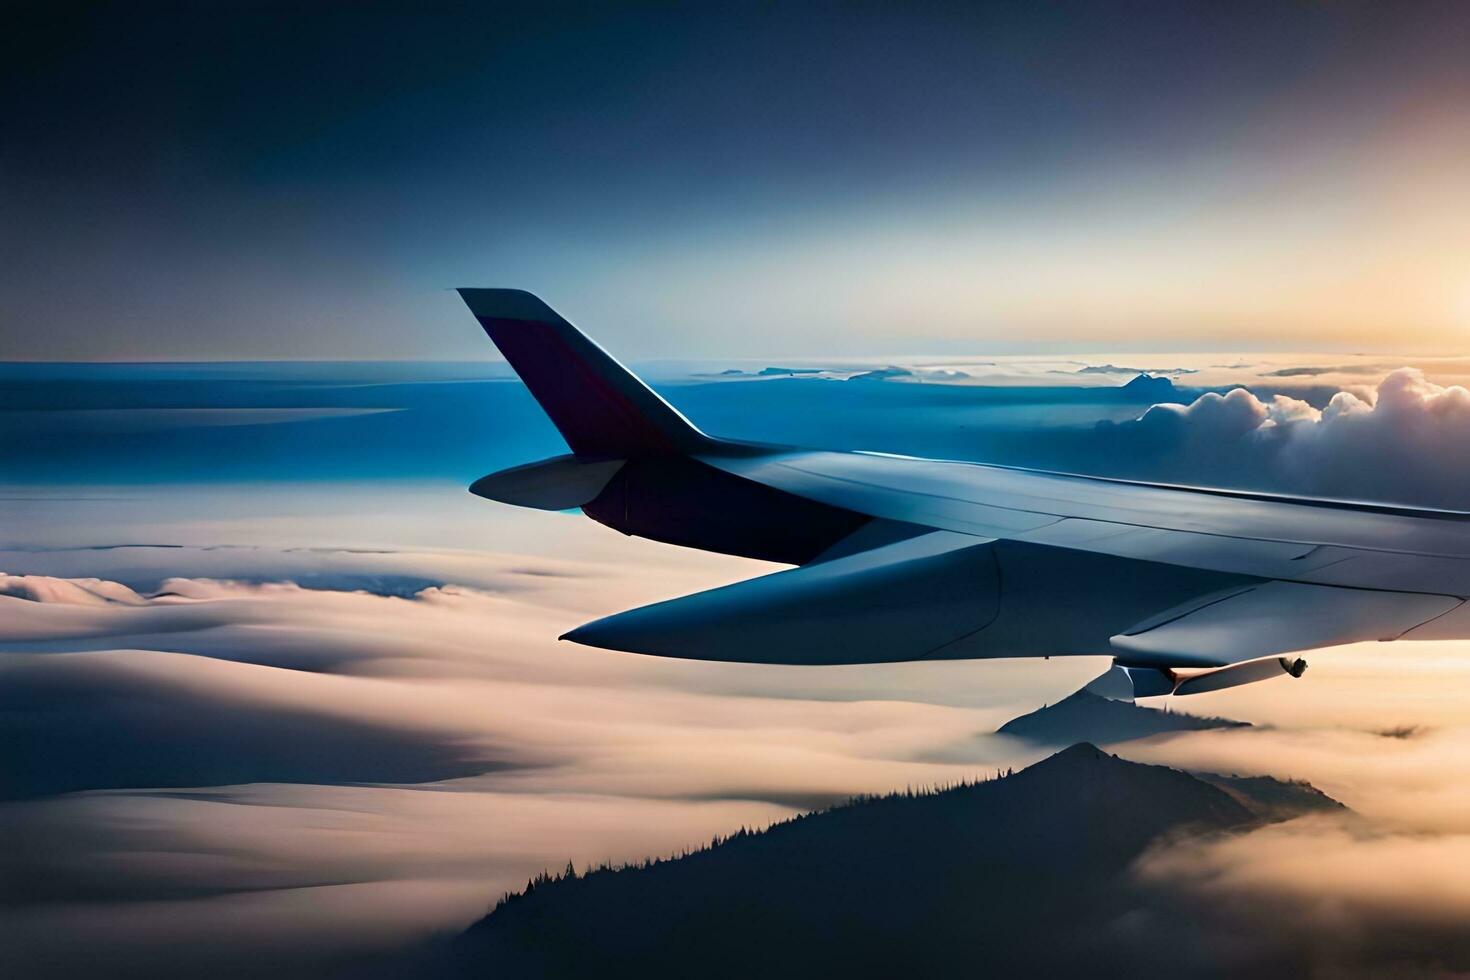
[1189, 589]
[1075, 552]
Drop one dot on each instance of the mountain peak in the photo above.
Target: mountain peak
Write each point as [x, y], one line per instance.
[1087, 716]
[1079, 753]
[1150, 383]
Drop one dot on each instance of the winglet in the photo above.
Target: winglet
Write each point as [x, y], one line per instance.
[600, 407]
[509, 304]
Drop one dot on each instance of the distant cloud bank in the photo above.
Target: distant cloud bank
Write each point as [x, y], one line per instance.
[1406, 440]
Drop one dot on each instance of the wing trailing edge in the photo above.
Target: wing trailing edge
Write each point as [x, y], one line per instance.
[1273, 618]
[1250, 634]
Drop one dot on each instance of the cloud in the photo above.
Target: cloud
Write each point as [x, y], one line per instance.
[101, 720]
[298, 881]
[1318, 371]
[401, 572]
[1213, 415]
[1115, 369]
[1330, 895]
[851, 372]
[1317, 861]
[1407, 440]
[77, 592]
[452, 672]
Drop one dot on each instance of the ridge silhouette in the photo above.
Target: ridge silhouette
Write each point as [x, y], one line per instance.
[1083, 715]
[1022, 875]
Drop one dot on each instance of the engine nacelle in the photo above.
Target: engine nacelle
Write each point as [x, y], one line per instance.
[1122, 682]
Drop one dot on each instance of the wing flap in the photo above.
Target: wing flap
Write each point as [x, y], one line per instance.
[891, 603]
[1272, 619]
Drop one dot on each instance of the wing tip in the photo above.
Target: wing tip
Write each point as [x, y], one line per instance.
[507, 304]
[586, 635]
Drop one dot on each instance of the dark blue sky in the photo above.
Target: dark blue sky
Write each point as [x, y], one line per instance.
[243, 181]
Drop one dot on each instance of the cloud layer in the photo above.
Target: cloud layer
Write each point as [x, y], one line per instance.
[321, 774]
[1330, 895]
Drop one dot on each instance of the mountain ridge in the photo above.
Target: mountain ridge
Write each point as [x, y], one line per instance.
[982, 874]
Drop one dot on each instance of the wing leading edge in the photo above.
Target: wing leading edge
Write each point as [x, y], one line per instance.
[898, 601]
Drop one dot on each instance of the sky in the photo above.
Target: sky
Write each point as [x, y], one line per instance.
[237, 181]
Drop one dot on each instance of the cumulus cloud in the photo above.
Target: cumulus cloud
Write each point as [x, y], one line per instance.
[1407, 440]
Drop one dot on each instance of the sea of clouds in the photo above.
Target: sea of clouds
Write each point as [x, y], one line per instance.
[235, 774]
[277, 729]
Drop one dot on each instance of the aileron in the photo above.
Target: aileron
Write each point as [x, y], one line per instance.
[1275, 618]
